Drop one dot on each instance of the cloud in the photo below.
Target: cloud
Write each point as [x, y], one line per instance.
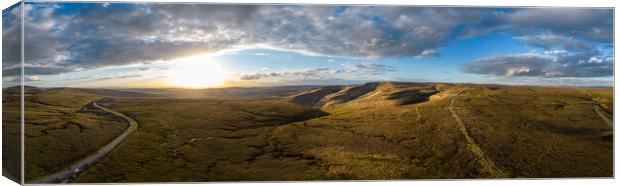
[107, 77]
[539, 65]
[580, 23]
[321, 73]
[551, 41]
[559, 81]
[305, 74]
[16, 79]
[556, 52]
[257, 76]
[119, 77]
[96, 35]
[511, 65]
[11, 37]
[370, 69]
[34, 71]
[575, 43]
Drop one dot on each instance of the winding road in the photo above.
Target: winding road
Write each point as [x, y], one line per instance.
[599, 109]
[66, 174]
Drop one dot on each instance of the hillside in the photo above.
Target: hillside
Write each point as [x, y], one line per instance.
[369, 94]
[514, 131]
[61, 126]
[381, 130]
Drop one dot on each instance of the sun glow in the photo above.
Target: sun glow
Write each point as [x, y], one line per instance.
[197, 72]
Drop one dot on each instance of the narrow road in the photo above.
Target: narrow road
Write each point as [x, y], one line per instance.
[598, 109]
[474, 147]
[66, 174]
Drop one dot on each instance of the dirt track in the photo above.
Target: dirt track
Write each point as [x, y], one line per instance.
[474, 147]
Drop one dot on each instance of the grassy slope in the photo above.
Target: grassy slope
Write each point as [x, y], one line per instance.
[527, 132]
[539, 132]
[11, 138]
[198, 140]
[61, 128]
[371, 138]
[394, 131]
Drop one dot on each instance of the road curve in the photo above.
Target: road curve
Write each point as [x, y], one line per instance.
[598, 109]
[65, 174]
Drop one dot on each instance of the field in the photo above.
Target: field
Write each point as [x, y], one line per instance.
[61, 127]
[11, 138]
[360, 132]
[177, 141]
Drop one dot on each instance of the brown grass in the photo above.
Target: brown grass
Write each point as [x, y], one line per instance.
[388, 131]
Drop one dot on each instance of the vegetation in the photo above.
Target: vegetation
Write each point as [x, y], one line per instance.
[198, 140]
[539, 132]
[61, 127]
[371, 131]
[11, 130]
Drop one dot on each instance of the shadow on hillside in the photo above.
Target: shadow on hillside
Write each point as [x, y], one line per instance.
[411, 96]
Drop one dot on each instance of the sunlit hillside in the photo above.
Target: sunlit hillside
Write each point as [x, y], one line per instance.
[384, 130]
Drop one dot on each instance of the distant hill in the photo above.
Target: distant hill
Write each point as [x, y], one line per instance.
[382, 93]
[224, 93]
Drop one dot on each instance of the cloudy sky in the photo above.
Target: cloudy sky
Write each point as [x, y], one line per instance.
[207, 45]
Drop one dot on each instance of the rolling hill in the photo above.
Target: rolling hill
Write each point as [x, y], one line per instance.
[379, 130]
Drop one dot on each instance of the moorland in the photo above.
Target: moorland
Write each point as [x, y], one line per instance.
[379, 130]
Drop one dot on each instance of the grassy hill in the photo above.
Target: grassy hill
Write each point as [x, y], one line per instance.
[524, 131]
[383, 130]
[192, 140]
[11, 130]
[61, 127]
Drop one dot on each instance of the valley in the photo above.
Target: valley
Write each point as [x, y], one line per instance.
[381, 130]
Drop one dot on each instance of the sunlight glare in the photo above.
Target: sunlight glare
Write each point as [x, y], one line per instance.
[197, 72]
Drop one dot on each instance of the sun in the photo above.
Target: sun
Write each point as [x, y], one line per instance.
[197, 72]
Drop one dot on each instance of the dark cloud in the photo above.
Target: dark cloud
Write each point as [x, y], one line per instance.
[34, 71]
[581, 23]
[11, 37]
[88, 36]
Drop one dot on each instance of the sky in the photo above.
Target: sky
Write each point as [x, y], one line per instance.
[151, 45]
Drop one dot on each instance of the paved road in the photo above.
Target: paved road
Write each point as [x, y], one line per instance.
[473, 146]
[66, 174]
